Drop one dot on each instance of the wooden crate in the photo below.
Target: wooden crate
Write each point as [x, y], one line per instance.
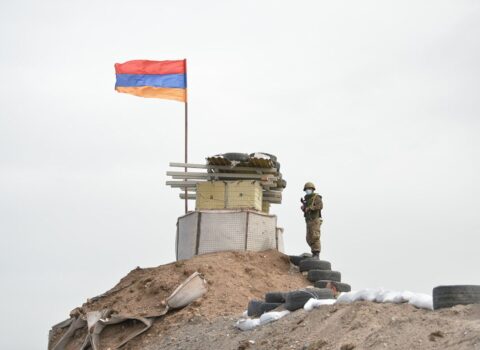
[242, 194]
[266, 207]
[210, 195]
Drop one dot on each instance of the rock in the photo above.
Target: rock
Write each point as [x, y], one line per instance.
[318, 344]
[348, 346]
[434, 335]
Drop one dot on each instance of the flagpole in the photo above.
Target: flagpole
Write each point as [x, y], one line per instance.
[186, 137]
[186, 153]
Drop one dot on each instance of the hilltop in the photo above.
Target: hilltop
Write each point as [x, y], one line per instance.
[236, 277]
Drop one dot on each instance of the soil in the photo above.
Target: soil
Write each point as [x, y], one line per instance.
[234, 278]
[361, 325]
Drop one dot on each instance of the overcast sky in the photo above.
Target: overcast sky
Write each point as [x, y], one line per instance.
[377, 102]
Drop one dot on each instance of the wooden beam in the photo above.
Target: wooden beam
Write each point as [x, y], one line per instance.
[193, 196]
[273, 200]
[182, 184]
[192, 184]
[224, 167]
[190, 196]
[275, 194]
[201, 175]
[268, 199]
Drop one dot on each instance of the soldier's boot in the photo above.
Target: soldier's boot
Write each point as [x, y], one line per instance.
[316, 255]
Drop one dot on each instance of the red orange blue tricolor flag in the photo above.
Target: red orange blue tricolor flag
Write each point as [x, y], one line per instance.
[155, 79]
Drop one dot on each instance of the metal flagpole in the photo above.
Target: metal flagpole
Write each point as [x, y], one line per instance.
[186, 153]
[186, 137]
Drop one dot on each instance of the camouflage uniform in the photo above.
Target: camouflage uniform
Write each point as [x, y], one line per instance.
[313, 218]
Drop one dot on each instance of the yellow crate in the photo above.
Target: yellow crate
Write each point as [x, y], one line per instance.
[210, 195]
[266, 207]
[245, 194]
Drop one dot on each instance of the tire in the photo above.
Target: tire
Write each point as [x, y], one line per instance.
[277, 166]
[314, 264]
[236, 157]
[341, 287]
[275, 297]
[448, 296]
[297, 299]
[272, 157]
[257, 307]
[281, 184]
[306, 255]
[295, 259]
[319, 275]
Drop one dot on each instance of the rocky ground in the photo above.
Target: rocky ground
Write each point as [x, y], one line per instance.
[362, 325]
[236, 277]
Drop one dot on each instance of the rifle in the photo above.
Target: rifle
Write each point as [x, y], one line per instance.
[304, 204]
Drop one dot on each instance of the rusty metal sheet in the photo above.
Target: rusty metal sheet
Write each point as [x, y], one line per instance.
[217, 160]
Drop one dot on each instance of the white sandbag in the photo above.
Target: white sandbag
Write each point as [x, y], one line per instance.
[390, 296]
[407, 295]
[422, 301]
[315, 303]
[366, 295]
[346, 297]
[247, 324]
[271, 316]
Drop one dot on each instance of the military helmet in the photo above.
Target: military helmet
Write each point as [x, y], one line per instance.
[309, 185]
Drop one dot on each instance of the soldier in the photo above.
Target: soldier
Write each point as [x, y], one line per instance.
[312, 211]
[333, 286]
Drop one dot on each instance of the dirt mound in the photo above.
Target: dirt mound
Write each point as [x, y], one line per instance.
[361, 325]
[233, 279]
[236, 277]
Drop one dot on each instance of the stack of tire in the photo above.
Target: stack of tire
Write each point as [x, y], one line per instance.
[290, 301]
[319, 272]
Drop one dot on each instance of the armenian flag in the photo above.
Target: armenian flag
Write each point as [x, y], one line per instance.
[155, 79]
